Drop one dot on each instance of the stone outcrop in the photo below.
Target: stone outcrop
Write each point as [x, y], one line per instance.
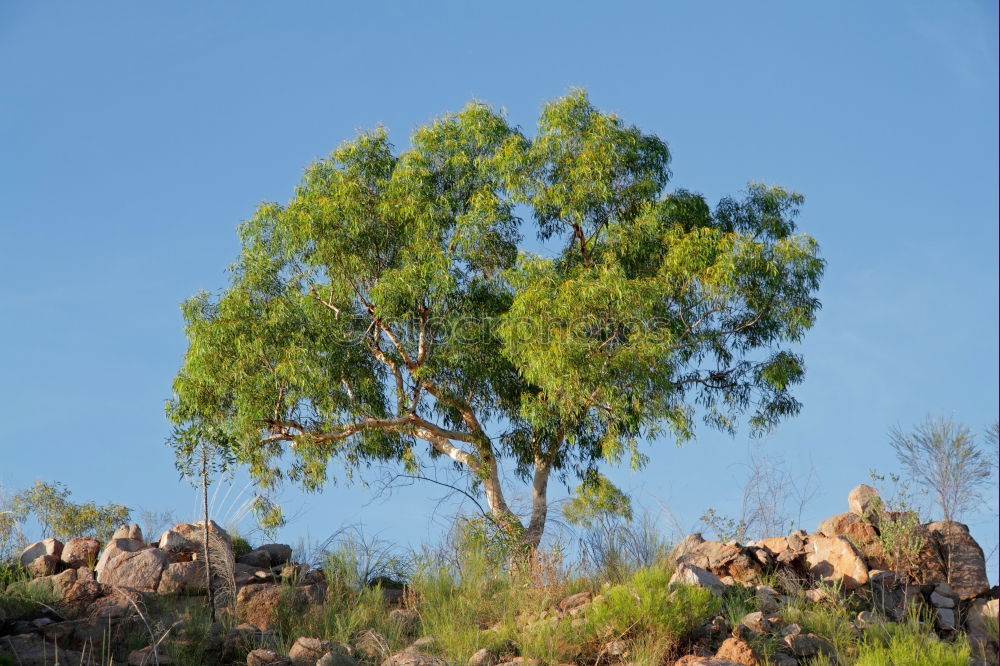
[963, 560]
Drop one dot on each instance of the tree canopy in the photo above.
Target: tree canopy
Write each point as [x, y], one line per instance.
[390, 312]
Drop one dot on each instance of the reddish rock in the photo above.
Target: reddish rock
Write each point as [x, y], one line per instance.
[835, 559]
[962, 557]
[183, 578]
[81, 552]
[258, 604]
[738, 651]
[864, 501]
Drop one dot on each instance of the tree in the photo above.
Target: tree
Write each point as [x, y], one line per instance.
[388, 306]
[944, 458]
[63, 519]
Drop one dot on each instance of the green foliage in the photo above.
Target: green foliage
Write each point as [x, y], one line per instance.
[912, 642]
[61, 518]
[240, 545]
[386, 312]
[595, 498]
[648, 605]
[898, 525]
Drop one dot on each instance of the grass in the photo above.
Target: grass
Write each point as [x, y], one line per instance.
[469, 596]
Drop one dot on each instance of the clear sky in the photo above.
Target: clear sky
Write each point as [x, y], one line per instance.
[135, 136]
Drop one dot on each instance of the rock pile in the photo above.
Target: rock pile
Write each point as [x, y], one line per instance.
[100, 591]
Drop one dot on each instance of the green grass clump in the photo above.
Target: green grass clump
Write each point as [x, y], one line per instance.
[650, 616]
[911, 644]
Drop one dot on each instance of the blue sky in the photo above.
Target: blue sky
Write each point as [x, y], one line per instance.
[136, 136]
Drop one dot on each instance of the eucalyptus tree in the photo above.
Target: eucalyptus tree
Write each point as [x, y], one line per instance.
[389, 312]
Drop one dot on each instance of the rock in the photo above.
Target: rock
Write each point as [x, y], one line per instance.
[724, 559]
[758, 622]
[693, 660]
[407, 619]
[687, 574]
[423, 644]
[80, 596]
[45, 565]
[258, 604]
[944, 619]
[307, 651]
[140, 570]
[313, 594]
[738, 651]
[80, 552]
[962, 557]
[183, 578]
[575, 601]
[34, 650]
[146, 657]
[189, 538]
[982, 617]
[42, 557]
[808, 645]
[685, 546]
[115, 548]
[866, 619]
[775, 545]
[816, 595]
[174, 542]
[849, 525]
[132, 531]
[767, 598]
[941, 601]
[336, 659]
[279, 553]
[413, 659]
[261, 657]
[118, 605]
[833, 559]
[483, 657]
[259, 558]
[864, 501]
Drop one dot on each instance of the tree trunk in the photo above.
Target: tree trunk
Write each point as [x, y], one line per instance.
[205, 537]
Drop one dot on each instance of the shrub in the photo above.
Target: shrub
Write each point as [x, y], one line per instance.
[649, 613]
[240, 546]
[61, 518]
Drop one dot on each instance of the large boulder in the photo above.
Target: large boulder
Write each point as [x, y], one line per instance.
[963, 559]
[833, 559]
[132, 531]
[35, 650]
[259, 558]
[46, 547]
[280, 553]
[81, 552]
[864, 501]
[183, 578]
[140, 570]
[116, 548]
[258, 604]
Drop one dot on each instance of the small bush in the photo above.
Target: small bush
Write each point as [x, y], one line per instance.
[240, 546]
[647, 611]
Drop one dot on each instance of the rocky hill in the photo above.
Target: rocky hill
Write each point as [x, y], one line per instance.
[130, 600]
